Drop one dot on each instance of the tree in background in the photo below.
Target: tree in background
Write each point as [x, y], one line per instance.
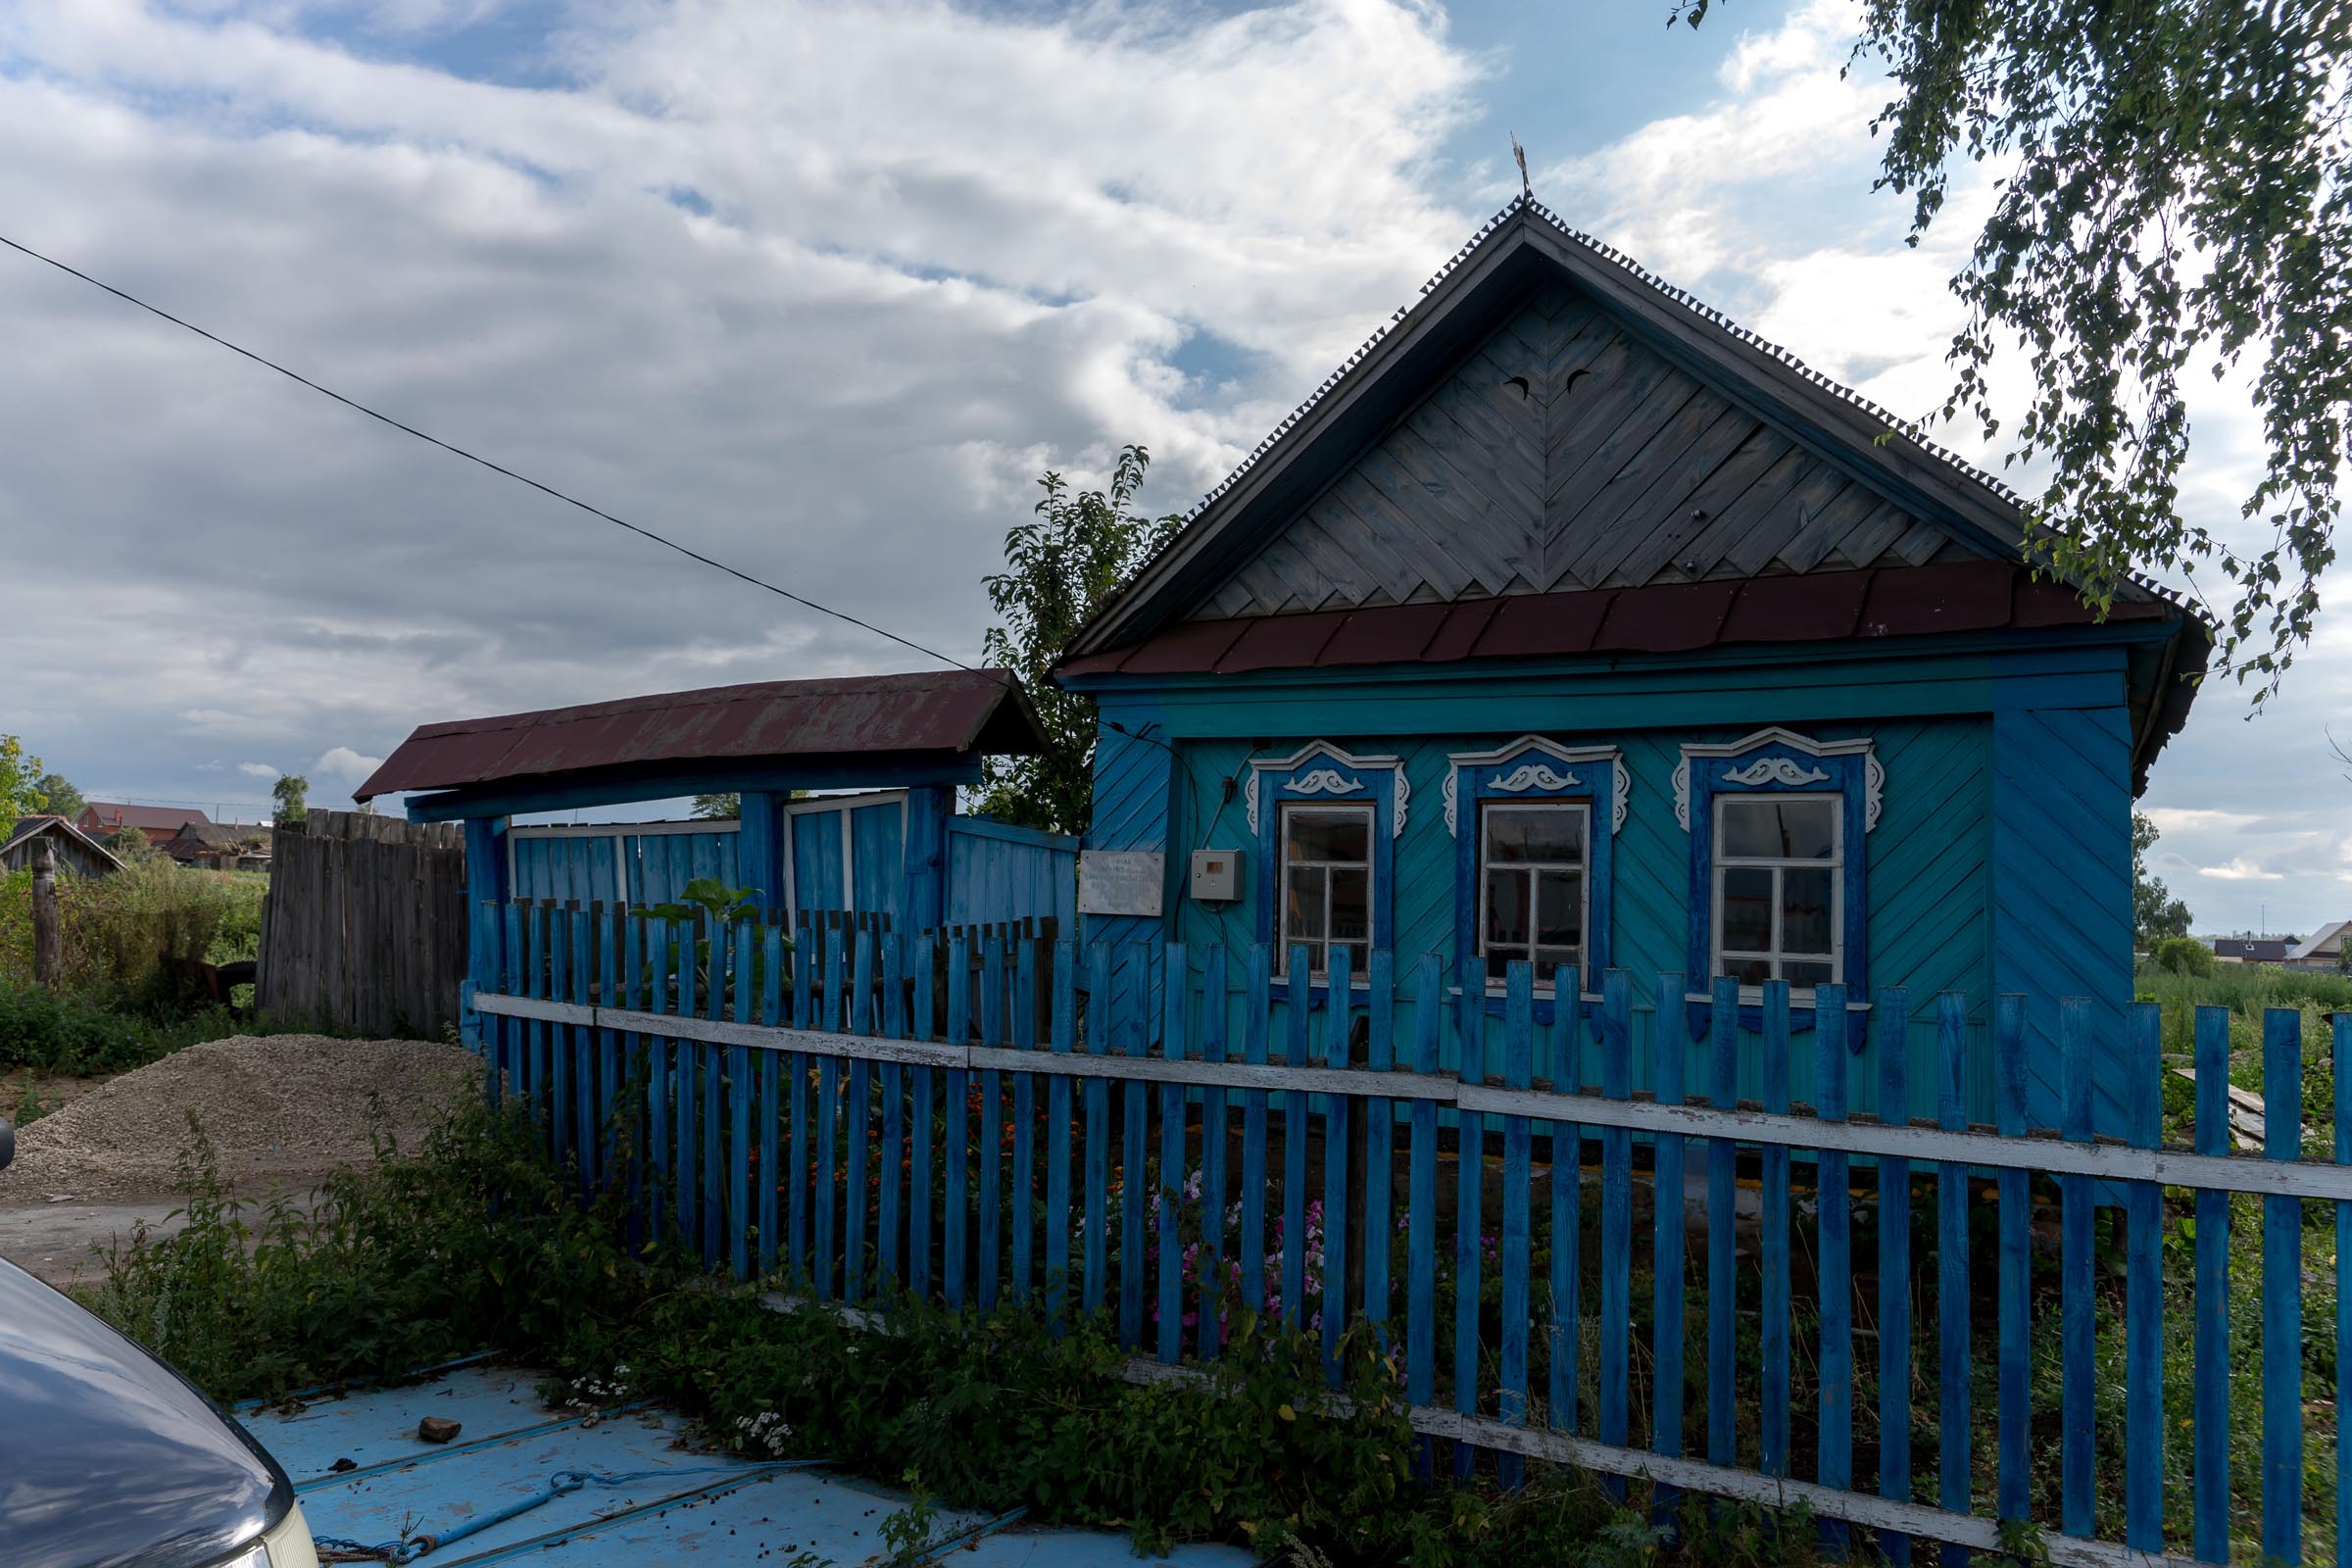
[724, 805]
[1061, 567]
[128, 844]
[290, 798]
[2178, 188]
[21, 792]
[58, 798]
[2155, 913]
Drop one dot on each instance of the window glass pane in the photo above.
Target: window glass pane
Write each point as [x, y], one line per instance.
[1554, 834]
[1499, 961]
[1747, 911]
[1326, 834]
[1550, 959]
[1748, 971]
[1805, 910]
[1807, 973]
[1357, 957]
[1799, 827]
[1314, 958]
[1303, 910]
[1350, 905]
[1560, 908]
[1506, 908]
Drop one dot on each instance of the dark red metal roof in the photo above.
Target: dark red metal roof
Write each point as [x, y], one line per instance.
[930, 714]
[146, 818]
[1658, 618]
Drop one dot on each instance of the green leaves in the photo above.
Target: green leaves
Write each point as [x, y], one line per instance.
[1060, 568]
[2176, 197]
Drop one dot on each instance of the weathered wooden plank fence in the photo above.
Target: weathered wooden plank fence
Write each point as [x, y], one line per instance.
[832, 1111]
[364, 923]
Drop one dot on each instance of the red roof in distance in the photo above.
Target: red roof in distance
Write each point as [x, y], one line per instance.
[857, 717]
[105, 817]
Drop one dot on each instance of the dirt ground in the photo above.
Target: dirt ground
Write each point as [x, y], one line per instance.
[281, 1111]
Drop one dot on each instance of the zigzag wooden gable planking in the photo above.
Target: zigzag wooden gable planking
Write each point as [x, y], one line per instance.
[1563, 453]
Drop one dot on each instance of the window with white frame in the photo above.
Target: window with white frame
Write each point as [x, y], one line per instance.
[1779, 863]
[1533, 898]
[1326, 885]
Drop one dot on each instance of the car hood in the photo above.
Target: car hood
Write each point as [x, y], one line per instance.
[107, 1455]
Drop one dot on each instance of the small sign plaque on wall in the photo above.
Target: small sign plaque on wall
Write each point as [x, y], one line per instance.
[1121, 881]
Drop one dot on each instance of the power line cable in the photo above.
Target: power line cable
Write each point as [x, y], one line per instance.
[471, 456]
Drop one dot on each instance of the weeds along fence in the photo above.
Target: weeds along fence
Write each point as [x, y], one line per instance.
[1922, 1330]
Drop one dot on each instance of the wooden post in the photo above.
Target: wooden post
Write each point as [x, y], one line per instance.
[48, 935]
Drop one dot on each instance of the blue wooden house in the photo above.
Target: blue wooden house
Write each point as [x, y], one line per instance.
[1569, 622]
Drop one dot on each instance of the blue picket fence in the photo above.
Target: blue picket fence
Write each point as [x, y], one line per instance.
[839, 1119]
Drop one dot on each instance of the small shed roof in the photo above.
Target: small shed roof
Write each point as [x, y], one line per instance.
[222, 835]
[877, 719]
[28, 827]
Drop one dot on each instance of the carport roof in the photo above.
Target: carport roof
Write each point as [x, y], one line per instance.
[939, 716]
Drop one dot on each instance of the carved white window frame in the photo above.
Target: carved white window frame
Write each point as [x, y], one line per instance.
[1783, 770]
[1537, 777]
[1320, 773]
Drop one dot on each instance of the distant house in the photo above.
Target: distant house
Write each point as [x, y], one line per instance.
[78, 853]
[220, 846]
[160, 824]
[2324, 948]
[2251, 949]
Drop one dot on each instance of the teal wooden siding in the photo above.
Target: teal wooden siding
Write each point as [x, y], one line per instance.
[1927, 879]
[1132, 784]
[2001, 863]
[2061, 849]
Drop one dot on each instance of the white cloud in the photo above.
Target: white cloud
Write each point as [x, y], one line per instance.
[2240, 869]
[925, 251]
[2190, 819]
[256, 770]
[344, 763]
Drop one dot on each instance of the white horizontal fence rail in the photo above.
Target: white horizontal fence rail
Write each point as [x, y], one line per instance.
[2046, 1154]
[991, 1120]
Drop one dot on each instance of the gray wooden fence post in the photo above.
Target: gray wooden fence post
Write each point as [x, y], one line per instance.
[48, 935]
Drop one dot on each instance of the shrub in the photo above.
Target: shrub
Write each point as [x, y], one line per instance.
[2185, 956]
[133, 937]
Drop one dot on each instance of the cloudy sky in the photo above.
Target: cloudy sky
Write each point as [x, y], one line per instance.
[819, 291]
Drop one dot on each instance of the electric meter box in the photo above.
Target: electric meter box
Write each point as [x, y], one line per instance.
[1216, 875]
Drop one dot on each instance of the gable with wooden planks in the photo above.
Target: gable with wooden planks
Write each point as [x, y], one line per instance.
[1563, 452]
[1562, 553]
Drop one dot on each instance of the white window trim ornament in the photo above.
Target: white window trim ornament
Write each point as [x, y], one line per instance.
[1325, 780]
[1537, 775]
[1783, 770]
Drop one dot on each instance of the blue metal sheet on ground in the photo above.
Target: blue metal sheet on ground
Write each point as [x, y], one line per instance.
[655, 1497]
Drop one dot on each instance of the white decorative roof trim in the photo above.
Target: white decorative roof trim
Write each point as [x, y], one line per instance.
[1536, 775]
[1780, 770]
[1328, 780]
[1775, 770]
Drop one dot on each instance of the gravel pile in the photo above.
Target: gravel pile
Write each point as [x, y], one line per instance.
[278, 1108]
